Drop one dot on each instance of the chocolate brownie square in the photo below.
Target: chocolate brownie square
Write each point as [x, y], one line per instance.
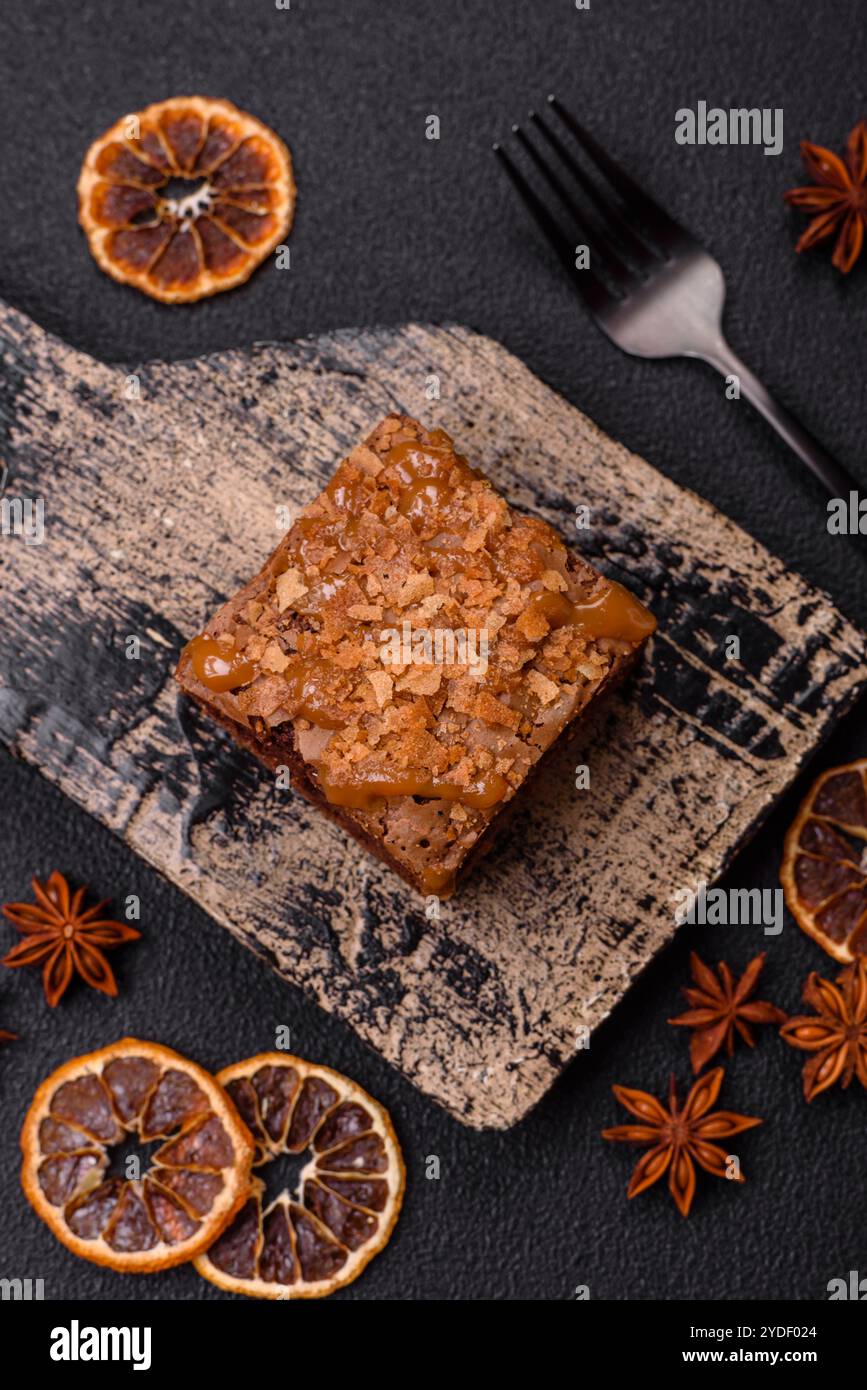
[411, 650]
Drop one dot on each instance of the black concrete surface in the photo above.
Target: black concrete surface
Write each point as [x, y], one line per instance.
[390, 227]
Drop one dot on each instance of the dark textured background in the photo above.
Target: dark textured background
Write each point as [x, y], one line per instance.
[390, 227]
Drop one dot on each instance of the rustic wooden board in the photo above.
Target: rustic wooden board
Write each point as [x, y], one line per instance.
[158, 506]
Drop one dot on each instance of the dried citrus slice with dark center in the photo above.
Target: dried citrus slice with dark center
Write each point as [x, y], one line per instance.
[185, 198]
[198, 1177]
[824, 868]
[307, 1243]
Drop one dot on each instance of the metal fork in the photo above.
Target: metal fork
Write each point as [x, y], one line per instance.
[658, 293]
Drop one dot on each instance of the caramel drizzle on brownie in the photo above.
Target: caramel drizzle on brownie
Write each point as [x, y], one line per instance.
[408, 533]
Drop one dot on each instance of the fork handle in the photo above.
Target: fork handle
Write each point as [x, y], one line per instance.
[833, 476]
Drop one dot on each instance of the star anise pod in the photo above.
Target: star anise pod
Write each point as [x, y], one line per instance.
[837, 1033]
[62, 938]
[721, 1007]
[838, 197]
[677, 1138]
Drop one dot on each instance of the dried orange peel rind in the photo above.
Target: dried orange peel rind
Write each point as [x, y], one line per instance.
[349, 1192]
[197, 1180]
[824, 867]
[183, 248]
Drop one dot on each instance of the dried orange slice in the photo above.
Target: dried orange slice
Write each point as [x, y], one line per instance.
[185, 198]
[198, 1177]
[824, 868]
[350, 1189]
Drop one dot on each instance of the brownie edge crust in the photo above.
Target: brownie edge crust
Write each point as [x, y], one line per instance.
[411, 650]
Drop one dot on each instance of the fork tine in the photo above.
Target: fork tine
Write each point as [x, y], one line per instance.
[594, 293]
[636, 199]
[639, 253]
[609, 258]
